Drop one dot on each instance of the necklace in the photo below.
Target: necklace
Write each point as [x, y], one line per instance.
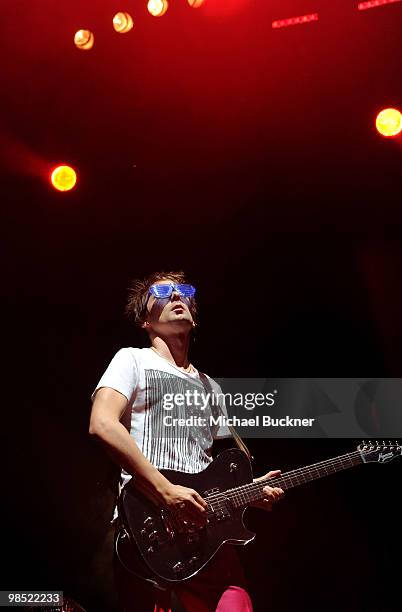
[189, 368]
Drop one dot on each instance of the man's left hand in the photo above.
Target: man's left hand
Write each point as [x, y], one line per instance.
[272, 494]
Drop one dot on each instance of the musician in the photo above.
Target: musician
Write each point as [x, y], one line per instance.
[126, 418]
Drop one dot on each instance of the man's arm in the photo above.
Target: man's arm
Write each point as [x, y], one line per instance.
[107, 409]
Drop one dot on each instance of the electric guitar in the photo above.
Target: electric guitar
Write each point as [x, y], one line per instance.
[174, 549]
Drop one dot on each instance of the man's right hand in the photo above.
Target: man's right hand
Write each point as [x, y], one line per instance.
[186, 503]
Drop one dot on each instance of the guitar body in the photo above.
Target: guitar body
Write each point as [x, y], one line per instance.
[173, 551]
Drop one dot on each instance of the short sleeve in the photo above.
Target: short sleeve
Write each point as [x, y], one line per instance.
[121, 374]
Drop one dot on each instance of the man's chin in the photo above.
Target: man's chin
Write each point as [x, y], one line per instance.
[181, 321]
[174, 323]
[184, 322]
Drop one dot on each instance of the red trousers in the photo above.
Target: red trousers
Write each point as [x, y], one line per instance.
[219, 587]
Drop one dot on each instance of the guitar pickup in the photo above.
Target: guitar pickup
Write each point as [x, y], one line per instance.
[211, 492]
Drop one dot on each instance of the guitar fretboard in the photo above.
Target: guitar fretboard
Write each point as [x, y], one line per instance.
[253, 491]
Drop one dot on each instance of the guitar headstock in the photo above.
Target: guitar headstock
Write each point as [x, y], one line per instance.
[381, 452]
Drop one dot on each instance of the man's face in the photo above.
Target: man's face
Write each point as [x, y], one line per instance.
[168, 315]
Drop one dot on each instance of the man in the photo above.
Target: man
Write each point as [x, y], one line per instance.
[126, 417]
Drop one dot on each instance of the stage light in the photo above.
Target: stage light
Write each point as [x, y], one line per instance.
[122, 22]
[389, 122]
[63, 178]
[84, 39]
[195, 3]
[157, 8]
[284, 23]
[363, 6]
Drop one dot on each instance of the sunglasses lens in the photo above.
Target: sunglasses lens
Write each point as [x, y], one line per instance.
[161, 291]
[186, 290]
[164, 291]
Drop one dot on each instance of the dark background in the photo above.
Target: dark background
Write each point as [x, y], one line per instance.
[204, 141]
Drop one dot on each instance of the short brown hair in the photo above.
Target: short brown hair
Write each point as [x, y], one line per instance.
[138, 294]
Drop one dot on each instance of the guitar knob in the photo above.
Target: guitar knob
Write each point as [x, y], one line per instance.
[149, 522]
[178, 567]
[153, 536]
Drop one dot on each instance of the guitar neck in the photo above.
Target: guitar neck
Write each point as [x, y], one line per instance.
[246, 494]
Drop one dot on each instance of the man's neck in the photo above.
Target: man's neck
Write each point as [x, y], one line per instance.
[174, 348]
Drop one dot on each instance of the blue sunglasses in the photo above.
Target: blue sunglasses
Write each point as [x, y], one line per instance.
[165, 291]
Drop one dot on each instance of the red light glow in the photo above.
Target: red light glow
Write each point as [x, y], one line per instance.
[225, 8]
[284, 23]
[363, 6]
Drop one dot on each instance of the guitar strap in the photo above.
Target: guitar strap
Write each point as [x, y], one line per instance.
[237, 438]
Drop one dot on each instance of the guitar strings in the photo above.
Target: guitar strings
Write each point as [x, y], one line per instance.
[290, 480]
[241, 494]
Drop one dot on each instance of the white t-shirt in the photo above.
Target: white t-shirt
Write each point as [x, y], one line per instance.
[146, 379]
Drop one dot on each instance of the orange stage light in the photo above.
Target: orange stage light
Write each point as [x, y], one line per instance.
[84, 39]
[123, 22]
[157, 8]
[389, 122]
[63, 178]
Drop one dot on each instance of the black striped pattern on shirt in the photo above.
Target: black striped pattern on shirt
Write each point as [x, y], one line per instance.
[181, 448]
